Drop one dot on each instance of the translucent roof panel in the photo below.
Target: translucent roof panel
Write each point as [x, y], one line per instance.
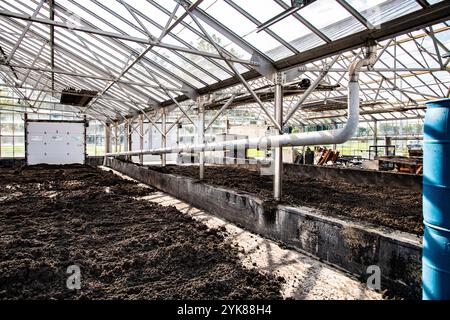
[380, 11]
[245, 27]
[100, 45]
[262, 10]
[338, 22]
[267, 44]
[208, 65]
[186, 66]
[297, 34]
[163, 61]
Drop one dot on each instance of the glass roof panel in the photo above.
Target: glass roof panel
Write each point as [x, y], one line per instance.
[219, 9]
[246, 29]
[119, 16]
[219, 38]
[152, 12]
[163, 62]
[102, 58]
[338, 22]
[380, 11]
[186, 66]
[444, 37]
[85, 10]
[200, 61]
[78, 53]
[169, 5]
[266, 43]
[162, 77]
[25, 7]
[297, 34]
[262, 10]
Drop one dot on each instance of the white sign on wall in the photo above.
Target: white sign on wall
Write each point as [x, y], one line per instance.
[55, 142]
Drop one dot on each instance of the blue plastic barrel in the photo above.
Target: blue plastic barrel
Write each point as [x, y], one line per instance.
[436, 201]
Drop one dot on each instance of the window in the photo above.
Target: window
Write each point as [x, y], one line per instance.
[12, 143]
[95, 139]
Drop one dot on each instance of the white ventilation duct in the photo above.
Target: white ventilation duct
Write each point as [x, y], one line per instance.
[336, 136]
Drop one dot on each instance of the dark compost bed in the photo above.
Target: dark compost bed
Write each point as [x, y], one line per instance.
[52, 217]
[398, 208]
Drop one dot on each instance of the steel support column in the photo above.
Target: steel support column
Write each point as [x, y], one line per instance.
[129, 138]
[116, 136]
[108, 138]
[163, 136]
[52, 43]
[278, 151]
[201, 137]
[178, 134]
[375, 132]
[125, 135]
[141, 138]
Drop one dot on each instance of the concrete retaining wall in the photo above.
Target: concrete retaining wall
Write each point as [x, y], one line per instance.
[11, 162]
[346, 244]
[94, 160]
[337, 174]
[17, 162]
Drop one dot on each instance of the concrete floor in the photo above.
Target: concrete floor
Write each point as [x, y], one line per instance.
[306, 277]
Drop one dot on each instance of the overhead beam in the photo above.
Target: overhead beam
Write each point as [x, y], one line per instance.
[52, 41]
[355, 13]
[413, 21]
[218, 113]
[216, 25]
[310, 89]
[3, 57]
[232, 67]
[420, 19]
[90, 76]
[119, 36]
[278, 17]
[368, 112]
[25, 30]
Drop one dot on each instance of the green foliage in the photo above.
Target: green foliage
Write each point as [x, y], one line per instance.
[387, 128]
[205, 46]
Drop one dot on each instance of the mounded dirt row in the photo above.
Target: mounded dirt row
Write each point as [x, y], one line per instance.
[398, 208]
[52, 217]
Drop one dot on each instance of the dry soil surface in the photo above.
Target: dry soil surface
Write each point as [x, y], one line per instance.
[52, 217]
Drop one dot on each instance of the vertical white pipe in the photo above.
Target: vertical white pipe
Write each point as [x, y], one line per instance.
[278, 150]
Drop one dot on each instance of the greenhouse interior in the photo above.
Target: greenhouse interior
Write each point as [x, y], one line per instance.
[253, 150]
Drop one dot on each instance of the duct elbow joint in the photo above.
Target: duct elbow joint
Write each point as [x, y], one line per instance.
[347, 132]
[369, 59]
